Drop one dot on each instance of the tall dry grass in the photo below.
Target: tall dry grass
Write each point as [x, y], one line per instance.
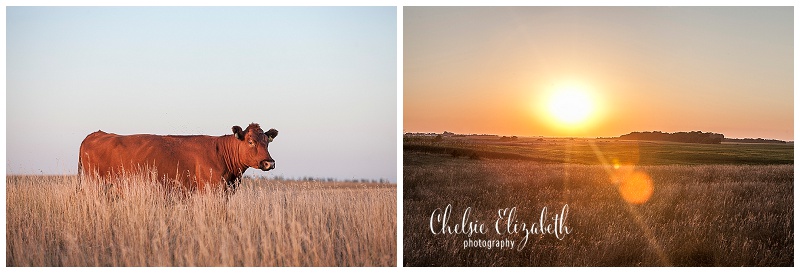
[55, 221]
[704, 215]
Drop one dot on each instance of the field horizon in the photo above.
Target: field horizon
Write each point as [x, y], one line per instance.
[521, 136]
[593, 151]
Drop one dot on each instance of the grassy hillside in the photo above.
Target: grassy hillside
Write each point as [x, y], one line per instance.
[52, 221]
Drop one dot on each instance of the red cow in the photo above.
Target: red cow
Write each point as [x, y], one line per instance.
[194, 162]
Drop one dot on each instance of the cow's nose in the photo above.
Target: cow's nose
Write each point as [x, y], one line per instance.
[267, 165]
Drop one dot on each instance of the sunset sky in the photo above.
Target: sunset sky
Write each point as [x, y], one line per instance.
[497, 70]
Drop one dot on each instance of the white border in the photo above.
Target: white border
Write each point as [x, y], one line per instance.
[400, 136]
[399, 4]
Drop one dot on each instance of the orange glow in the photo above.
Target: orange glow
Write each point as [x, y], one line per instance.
[499, 75]
[635, 187]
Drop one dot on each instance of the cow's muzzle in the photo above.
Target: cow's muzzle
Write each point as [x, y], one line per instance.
[266, 165]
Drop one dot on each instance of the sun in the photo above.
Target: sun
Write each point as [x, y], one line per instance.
[570, 105]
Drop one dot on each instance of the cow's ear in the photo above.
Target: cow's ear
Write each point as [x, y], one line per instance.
[271, 134]
[237, 132]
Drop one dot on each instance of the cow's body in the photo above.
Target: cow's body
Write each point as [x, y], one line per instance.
[192, 162]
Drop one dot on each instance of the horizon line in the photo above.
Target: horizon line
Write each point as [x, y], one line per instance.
[592, 137]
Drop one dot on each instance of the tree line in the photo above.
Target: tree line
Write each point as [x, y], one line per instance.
[685, 137]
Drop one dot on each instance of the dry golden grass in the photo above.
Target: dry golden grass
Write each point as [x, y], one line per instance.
[704, 215]
[54, 221]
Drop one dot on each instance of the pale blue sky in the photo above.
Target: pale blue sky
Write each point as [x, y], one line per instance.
[325, 77]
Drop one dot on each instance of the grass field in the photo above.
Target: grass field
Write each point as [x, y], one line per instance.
[698, 214]
[582, 151]
[52, 221]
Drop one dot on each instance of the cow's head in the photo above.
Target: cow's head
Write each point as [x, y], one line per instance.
[253, 144]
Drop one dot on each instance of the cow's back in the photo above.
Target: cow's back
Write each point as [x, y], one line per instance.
[95, 153]
[171, 157]
[107, 154]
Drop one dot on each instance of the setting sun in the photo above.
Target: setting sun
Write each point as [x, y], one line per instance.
[570, 106]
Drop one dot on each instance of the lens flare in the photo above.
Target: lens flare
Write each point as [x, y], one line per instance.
[615, 163]
[636, 187]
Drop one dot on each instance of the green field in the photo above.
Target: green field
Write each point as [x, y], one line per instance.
[710, 205]
[592, 151]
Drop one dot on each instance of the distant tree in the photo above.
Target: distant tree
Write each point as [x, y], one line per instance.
[754, 140]
[685, 137]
